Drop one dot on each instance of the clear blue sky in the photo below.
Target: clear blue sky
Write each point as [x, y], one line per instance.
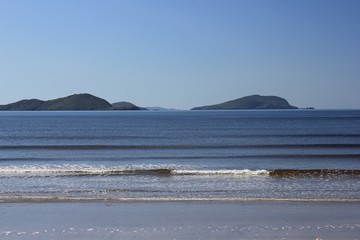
[182, 53]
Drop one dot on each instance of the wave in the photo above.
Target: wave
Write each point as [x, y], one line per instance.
[85, 170]
[276, 156]
[77, 170]
[305, 135]
[104, 147]
[121, 137]
[46, 199]
[245, 156]
[313, 172]
[274, 173]
[241, 172]
[77, 137]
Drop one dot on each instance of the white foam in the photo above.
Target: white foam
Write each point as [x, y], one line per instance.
[84, 169]
[50, 170]
[242, 172]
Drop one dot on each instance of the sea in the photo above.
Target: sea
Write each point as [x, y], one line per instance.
[243, 155]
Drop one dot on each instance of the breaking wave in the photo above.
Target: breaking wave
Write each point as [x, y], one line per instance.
[85, 170]
[243, 172]
[88, 170]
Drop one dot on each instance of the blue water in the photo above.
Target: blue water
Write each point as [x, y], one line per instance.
[180, 154]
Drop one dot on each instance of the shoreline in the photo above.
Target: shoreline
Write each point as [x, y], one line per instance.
[73, 199]
[180, 220]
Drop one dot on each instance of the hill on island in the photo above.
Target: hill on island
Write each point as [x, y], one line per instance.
[126, 106]
[251, 102]
[82, 101]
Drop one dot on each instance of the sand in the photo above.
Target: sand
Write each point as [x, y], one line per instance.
[180, 220]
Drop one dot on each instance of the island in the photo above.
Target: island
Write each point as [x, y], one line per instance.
[126, 106]
[161, 109]
[83, 101]
[251, 102]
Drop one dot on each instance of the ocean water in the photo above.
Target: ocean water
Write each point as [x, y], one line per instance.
[298, 155]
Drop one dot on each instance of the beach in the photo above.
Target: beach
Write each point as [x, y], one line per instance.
[180, 220]
[180, 175]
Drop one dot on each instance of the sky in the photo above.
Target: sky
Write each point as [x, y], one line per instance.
[182, 53]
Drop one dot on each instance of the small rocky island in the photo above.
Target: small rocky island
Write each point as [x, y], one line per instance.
[74, 102]
[251, 102]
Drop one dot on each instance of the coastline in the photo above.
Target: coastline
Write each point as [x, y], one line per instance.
[180, 220]
[74, 199]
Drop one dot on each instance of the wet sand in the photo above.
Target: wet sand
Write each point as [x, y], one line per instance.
[180, 220]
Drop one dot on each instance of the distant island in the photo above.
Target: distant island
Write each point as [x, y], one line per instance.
[126, 106]
[251, 102]
[82, 101]
[85, 101]
[160, 109]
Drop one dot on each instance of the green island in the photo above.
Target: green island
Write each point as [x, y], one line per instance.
[251, 102]
[83, 101]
